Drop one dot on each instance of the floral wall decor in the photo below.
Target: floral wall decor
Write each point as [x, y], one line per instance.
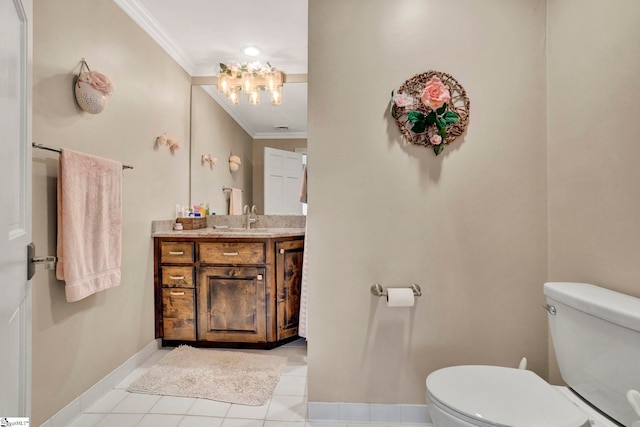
[431, 109]
[165, 140]
[208, 158]
[92, 89]
[234, 163]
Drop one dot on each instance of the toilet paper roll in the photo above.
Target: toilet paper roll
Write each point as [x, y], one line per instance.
[400, 297]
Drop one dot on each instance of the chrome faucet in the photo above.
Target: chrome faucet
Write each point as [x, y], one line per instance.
[249, 213]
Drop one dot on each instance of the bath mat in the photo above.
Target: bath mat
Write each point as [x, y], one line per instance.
[225, 376]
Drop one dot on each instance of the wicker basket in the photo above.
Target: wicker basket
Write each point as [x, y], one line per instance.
[192, 223]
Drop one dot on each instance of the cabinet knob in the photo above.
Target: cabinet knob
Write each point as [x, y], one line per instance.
[282, 251]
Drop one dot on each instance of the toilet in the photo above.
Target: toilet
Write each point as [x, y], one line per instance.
[596, 336]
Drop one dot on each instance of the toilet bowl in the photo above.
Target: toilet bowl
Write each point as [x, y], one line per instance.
[596, 336]
[489, 396]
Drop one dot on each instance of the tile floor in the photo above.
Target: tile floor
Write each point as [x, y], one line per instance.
[287, 407]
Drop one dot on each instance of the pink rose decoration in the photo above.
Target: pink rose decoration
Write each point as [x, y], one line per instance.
[435, 139]
[435, 94]
[98, 81]
[403, 100]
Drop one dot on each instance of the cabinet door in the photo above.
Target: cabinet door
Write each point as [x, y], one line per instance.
[288, 281]
[178, 314]
[231, 304]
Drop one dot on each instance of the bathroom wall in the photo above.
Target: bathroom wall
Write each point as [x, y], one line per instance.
[594, 144]
[214, 132]
[468, 226]
[77, 344]
[258, 163]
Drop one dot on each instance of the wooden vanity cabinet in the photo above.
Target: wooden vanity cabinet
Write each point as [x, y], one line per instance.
[288, 279]
[228, 292]
[176, 279]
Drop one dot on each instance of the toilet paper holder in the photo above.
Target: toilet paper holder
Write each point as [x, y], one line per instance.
[379, 291]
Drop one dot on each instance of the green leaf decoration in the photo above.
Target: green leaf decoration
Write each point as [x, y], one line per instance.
[442, 109]
[450, 117]
[438, 148]
[415, 116]
[224, 68]
[443, 134]
[431, 118]
[394, 112]
[419, 127]
[441, 123]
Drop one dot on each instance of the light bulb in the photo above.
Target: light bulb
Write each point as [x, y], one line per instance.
[232, 96]
[223, 83]
[276, 96]
[254, 97]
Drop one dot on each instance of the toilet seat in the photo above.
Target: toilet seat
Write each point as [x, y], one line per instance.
[497, 396]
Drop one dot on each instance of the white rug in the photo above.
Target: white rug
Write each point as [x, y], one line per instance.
[226, 376]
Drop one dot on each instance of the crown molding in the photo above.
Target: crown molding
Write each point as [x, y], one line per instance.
[148, 23]
[223, 103]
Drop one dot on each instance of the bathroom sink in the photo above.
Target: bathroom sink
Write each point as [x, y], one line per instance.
[254, 232]
[241, 230]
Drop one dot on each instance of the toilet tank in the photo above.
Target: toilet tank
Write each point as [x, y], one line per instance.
[596, 336]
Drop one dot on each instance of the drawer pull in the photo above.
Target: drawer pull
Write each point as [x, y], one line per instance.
[177, 293]
[282, 251]
[230, 253]
[176, 277]
[176, 253]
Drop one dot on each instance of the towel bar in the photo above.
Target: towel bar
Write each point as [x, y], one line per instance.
[59, 150]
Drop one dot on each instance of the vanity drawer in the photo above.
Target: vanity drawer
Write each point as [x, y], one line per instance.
[178, 314]
[232, 253]
[176, 252]
[181, 277]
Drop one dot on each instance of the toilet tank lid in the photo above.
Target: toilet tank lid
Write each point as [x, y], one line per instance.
[614, 307]
[503, 397]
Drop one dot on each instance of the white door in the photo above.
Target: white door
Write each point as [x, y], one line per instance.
[282, 181]
[15, 214]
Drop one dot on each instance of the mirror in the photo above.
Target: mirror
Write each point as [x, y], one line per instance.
[220, 131]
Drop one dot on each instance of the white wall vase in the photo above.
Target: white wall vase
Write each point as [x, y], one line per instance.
[89, 98]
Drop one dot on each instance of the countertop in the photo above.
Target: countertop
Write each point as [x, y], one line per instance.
[234, 233]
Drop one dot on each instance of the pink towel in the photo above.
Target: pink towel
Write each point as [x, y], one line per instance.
[89, 224]
[235, 202]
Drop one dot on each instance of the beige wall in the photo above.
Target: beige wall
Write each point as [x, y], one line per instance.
[258, 163]
[214, 132]
[77, 344]
[469, 226]
[594, 144]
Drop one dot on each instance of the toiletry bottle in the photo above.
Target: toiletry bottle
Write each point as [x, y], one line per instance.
[206, 209]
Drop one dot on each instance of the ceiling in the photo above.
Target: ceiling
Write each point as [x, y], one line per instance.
[200, 34]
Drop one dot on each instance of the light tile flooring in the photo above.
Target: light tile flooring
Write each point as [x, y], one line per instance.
[286, 408]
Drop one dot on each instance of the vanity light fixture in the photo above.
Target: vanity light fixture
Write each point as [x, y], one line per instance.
[250, 79]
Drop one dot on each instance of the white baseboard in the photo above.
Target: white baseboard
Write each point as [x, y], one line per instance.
[102, 387]
[368, 412]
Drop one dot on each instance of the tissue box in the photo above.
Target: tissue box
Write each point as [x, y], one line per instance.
[192, 223]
